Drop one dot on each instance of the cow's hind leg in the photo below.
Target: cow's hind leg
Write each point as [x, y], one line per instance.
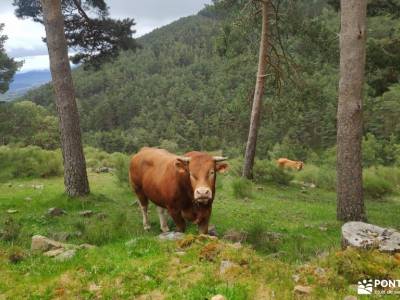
[163, 215]
[144, 203]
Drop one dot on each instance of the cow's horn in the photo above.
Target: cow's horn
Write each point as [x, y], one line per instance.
[184, 158]
[219, 158]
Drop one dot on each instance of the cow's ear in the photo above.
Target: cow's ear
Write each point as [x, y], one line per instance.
[221, 167]
[181, 165]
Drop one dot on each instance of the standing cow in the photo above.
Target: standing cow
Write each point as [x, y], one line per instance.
[183, 186]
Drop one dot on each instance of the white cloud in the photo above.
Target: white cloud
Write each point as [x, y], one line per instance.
[22, 34]
[37, 62]
[25, 36]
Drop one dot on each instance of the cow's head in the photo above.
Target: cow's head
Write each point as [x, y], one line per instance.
[300, 165]
[201, 168]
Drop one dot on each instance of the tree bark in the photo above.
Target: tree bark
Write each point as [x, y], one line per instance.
[350, 203]
[258, 94]
[75, 176]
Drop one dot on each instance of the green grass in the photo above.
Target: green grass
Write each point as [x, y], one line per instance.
[290, 230]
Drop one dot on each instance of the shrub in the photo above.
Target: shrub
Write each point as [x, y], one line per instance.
[371, 150]
[121, 165]
[324, 176]
[267, 171]
[31, 161]
[374, 185]
[242, 188]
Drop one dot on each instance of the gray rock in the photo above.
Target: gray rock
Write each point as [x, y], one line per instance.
[66, 255]
[12, 211]
[171, 236]
[364, 235]
[55, 212]
[43, 244]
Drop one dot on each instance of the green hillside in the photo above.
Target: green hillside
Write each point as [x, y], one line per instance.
[191, 85]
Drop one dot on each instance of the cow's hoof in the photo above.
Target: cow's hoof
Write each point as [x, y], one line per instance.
[146, 227]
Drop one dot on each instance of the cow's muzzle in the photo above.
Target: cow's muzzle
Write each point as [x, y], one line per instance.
[202, 195]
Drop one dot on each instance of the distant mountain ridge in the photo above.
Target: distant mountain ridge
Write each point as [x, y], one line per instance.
[23, 82]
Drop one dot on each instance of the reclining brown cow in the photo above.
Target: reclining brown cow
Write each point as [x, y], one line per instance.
[290, 164]
[183, 186]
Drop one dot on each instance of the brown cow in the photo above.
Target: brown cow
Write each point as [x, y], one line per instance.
[183, 186]
[290, 164]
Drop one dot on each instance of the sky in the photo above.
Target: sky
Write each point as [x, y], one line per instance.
[25, 37]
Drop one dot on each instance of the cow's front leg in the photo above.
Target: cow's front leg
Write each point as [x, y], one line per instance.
[203, 226]
[163, 215]
[178, 219]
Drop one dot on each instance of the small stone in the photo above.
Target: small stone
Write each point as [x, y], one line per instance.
[296, 277]
[319, 271]
[86, 213]
[237, 245]
[66, 255]
[323, 228]
[212, 230]
[302, 290]
[54, 252]
[101, 216]
[218, 297]
[235, 236]
[86, 246]
[171, 236]
[38, 186]
[103, 170]
[226, 265]
[94, 287]
[12, 211]
[180, 253]
[28, 198]
[350, 298]
[55, 212]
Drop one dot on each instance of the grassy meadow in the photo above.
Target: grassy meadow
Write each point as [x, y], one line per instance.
[292, 238]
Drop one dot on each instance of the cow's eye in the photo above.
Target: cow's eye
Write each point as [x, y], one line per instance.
[212, 172]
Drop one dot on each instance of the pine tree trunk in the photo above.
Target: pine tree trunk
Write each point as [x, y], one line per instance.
[350, 203]
[75, 176]
[258, 95]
